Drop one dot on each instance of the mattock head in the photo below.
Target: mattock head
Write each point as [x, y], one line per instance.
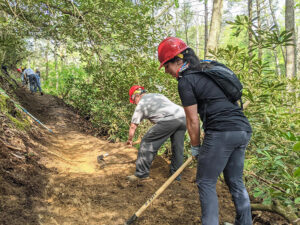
[101, 161]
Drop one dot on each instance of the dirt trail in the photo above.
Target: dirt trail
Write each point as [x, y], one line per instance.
[79, 191]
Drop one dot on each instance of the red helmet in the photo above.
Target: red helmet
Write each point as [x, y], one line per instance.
[169, 48]
[132, 90]
[19, 70]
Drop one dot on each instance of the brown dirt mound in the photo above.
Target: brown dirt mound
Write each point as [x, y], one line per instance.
[56, 178]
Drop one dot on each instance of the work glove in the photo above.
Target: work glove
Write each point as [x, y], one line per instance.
[195, 150]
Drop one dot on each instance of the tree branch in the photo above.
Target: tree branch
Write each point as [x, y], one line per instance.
[164, 10]
[265, 181]
[279, 209]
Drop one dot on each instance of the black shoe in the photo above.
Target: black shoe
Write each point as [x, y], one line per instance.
[42, 93]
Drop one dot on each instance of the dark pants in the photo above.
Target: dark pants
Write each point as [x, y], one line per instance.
[32, 82]
[37, 84]
[152, 141]
[223, 152]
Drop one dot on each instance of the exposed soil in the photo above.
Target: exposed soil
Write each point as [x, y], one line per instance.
[56, 179]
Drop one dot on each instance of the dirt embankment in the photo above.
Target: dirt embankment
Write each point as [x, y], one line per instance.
[55, 178]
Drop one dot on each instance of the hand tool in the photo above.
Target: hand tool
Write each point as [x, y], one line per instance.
[100, 158]
[158, 192]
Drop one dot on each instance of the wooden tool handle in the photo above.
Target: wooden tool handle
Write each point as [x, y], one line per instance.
[158, 192]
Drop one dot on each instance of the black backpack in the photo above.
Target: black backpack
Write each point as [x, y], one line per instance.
[225, 79]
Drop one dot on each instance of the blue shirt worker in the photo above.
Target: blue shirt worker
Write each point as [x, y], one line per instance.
[30, 75]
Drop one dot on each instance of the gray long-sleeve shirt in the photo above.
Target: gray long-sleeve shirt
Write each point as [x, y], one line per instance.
[156, 107]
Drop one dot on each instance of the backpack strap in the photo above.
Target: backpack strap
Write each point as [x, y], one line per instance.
[241, 101]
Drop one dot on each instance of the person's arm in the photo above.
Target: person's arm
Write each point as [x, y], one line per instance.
[131, 132]
[192, 123]
[24, 74]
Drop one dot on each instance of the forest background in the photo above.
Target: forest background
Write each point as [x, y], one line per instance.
[90, 52]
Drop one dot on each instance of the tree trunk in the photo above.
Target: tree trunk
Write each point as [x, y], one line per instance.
[55, 61]
[291, 49]
[258, 10]
[277, 68]
[186, 20]
[62, 58]
[186, 28]
[215, 27]
[298, 51]
[197, 40]
[250, 35]
[47, 60]
[277, 28]
[176, 22]
[205, 27]
[278, 71]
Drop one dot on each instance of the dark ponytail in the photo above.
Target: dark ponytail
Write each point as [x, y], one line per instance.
[192, 59]
[194, 62]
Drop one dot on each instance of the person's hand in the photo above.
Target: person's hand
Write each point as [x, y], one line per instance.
[195, 150]
[129, 143]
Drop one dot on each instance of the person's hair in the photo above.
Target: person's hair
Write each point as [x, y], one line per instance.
[192, 59]
[142, 91]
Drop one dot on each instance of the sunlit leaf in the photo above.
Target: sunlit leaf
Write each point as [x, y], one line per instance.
[297, 172]
[296, 147]
[176, 3]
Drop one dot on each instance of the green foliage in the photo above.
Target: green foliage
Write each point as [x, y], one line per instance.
[296, 147]
[176, 3]
[12, 46]
[269, 39]
[114, 40]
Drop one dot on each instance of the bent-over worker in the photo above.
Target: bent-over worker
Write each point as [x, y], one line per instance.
[169, 122]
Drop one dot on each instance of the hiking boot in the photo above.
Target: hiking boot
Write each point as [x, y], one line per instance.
[133, 178]
[42, 93]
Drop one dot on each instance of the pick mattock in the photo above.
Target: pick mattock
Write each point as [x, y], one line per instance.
[158, 192]
[163, 187]
[100, 158]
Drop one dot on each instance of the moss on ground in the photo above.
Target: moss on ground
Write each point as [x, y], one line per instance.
[20, 123]
[17, 118]
[2, 103]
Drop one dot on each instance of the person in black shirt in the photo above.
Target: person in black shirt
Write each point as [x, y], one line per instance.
[227, 130]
